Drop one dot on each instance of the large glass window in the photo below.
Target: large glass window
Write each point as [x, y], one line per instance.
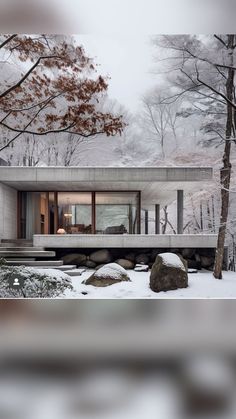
[75, 212]
[116, 212]
[78, 213]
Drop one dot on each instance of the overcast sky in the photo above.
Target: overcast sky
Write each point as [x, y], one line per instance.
[127, 59]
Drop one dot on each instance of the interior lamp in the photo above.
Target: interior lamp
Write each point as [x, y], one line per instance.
[61, 231]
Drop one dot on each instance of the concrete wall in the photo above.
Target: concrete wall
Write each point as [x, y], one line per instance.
[126, 241]
[8, 212]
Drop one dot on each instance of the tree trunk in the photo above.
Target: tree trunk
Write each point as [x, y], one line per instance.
[213, 214]
[209, 218]
[225, 173]
[201, 216]
[165, 222]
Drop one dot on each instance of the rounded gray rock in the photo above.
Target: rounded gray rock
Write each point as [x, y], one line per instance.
[169, 272]
[142, 258]
[89, 264]
[109, 274]
[126, 264]
[74, 259]
[130, 256]
[101, 256]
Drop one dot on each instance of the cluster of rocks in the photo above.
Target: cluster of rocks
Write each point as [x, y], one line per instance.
[198, 258]
[169, 272]
[138, 258]
[99, 258]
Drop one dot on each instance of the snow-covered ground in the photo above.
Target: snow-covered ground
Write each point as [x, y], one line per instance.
[201, 285]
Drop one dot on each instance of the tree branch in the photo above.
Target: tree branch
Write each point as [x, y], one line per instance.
[2, 45]
[216, 92]
[221, 40]
[18, 84]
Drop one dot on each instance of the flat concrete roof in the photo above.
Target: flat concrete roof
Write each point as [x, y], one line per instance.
[157, 184]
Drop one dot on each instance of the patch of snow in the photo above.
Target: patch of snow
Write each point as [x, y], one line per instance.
[172, 260]
[111, 270]
[192, 271]
[141, 268]
[54, 273]
[201, 285]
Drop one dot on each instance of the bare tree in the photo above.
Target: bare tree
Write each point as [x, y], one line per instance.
[160, 119]
[204, 67]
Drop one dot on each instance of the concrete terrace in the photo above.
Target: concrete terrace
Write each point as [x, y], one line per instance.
[126, 241]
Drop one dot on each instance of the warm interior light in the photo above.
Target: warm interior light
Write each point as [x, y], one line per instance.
[61, 231]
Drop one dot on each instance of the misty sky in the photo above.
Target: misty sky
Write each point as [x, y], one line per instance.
[128, 60]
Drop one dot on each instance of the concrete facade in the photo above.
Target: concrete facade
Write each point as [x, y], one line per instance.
[125, 241]
[158, 185]
[8, 212]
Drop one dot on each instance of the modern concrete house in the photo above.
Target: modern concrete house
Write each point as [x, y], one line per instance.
[97, 207]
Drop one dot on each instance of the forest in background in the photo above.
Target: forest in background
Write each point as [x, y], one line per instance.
[180, 121]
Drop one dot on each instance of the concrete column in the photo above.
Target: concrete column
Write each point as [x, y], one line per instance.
[139, 200]
[93, 212]
[180, 211]
[146, 222]
[157, 219]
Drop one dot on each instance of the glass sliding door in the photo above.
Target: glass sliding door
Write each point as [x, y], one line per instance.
[75, 212]
[117, 212]
[22, 213]
[33, 214]
[52, 212]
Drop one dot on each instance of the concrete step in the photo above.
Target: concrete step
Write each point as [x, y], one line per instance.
[21, 249]
[75, 272]
[27, 253]
[20, 260]
[63, 268]
[36, 263]
[16, 242]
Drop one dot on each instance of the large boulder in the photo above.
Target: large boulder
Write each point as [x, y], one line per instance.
[101, 256]
[169, 272]
[99, 266]
[107, 275]
[89, 264]
[193, 264]
[130, 256]
[142, 259]
[126, 264]
[207, 261]
[74, 259]
[188, 253]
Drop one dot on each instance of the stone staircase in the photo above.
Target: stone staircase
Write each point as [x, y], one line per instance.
[21, 252]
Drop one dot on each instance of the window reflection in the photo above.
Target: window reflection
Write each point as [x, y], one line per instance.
[78, 213]
[116, 212]
[74, 212]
